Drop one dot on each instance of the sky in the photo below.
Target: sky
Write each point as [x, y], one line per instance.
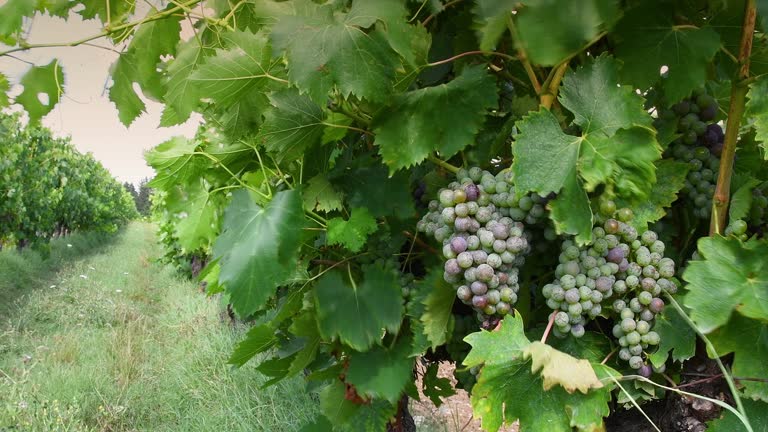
[85, 112]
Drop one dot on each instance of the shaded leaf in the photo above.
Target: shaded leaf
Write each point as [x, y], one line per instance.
[258, 340]
[358, 313]
[381, 372]
[352, 233]
[436, 388]
[436, 316]
[676, 335]
[319, 194]
[670, 179]
[757, 109]
[732, 276]
[258, 247]
[444, 118]
[747, 339]
[292, 125]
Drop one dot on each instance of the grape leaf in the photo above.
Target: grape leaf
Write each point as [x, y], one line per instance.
[497, 347]
[676, 336]
[559, 368]
[259, 339]
[352, 233]
[138, 64]
[357, 314]
[490, 18]
[741, 201]
[293, 124]
[545, 157]
[670, 179]
[319, 194]
[192, 205]
[337, 131]
[258, 247]
[366, 184]
[747, 339]
[245, 63]
[732, 276]
[181, 95]
[326, 49]
[434, 387]
[173, 161]
[305, 327]
[41, 81]
[592, 346]
[570, 26]
[348, 416]
[12, 14]
[648, 38]
[244, 116]
[757, 412]
[599, 105]
[381, 372]
[320, 424]
[4, 87]
[436, 316]
[107, 11]
[757, 109]
[443, 118]
[571, 212]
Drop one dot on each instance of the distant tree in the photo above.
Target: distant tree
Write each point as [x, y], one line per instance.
[132, 190]
[143, 204]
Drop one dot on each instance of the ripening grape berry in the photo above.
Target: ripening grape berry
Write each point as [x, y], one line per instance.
[636, 362]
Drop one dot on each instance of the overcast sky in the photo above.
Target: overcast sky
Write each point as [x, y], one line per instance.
[85, 112]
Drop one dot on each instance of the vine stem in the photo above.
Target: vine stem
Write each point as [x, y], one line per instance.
[23, 46]
[712, 352]
[550, 323]
[523, 56]
[441, 163]
[549, 93]
[735, 113]
[468, 53]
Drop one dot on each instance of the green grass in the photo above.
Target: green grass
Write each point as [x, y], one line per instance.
[122, 344]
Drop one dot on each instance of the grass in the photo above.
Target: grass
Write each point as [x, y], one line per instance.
[122, 344]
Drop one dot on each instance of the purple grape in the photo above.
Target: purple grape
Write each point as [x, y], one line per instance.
[462, 224]
[478, 288]
[472, 192]
[603, 284]
[464, 293]
[708, 113]
[452, 267]
[479, 301]
[615, 255]
[458, 244]
[623, 265]
[645, 371]
[657, 305]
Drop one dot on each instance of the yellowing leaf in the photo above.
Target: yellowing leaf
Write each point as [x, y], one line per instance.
[559, 368]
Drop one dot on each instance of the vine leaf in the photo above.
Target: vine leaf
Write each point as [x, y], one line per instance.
[292, 125]
[259, 339]
[174, 162]
[192, 205]
[12, 14]
[571, 212]
[570, 26]
[319, 194]
[381, 372]
[326, 49]
[305, 327]
[647, 38]
[366, 184]
[670, 179]
[181, 95]
[748, 340]
[757, 412]
[352, 233]
[107, 11]
[559, 368]
[741, 201]
[506, 375]
[39, 81]
[320, 424]
[444, 118]
[676, 335]
[438, 302]
[138, 64]
[732, 276]
[357, 313]
[757, 108]
[4, 87]
[258, 247]
[435, 387]
[347, 416]
[490, 17]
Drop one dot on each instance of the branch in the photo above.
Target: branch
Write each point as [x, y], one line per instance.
[23, 46]
[441, 163]
[549, 94]
[735, 113]
[523, 56]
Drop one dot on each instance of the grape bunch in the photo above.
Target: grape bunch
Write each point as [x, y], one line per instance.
[479, 221]
[700, 145]
[620, 274]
